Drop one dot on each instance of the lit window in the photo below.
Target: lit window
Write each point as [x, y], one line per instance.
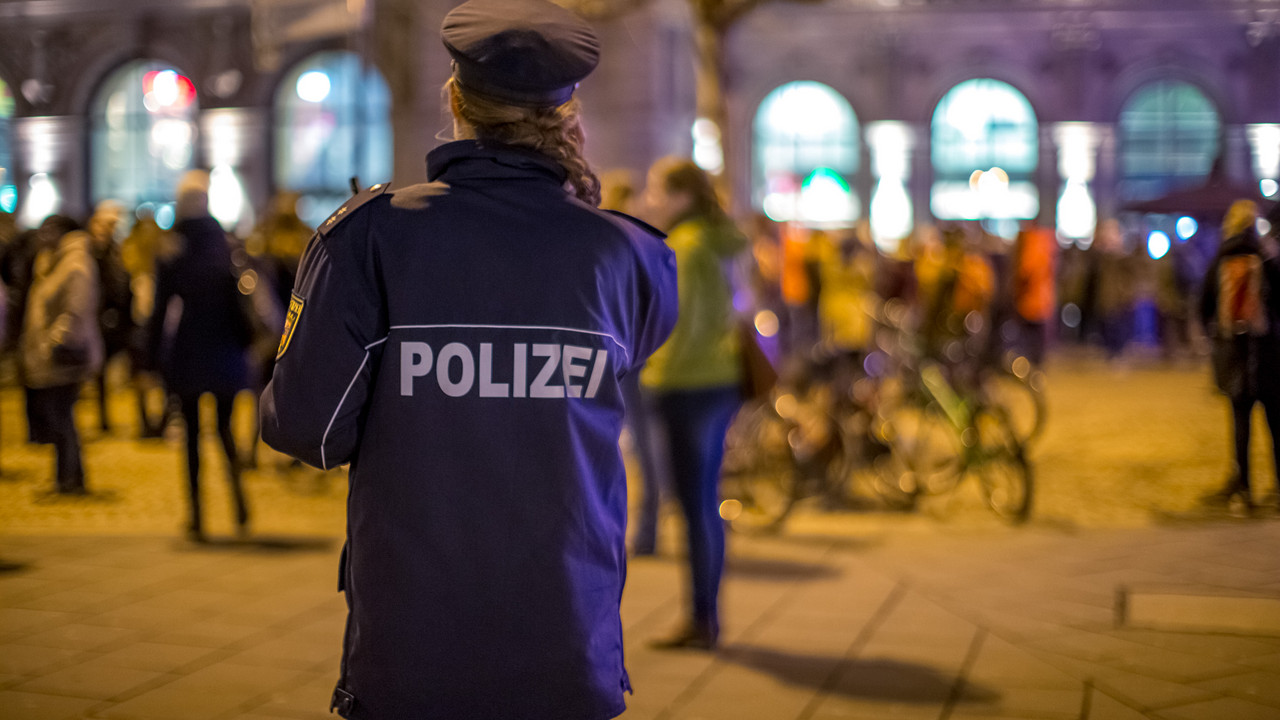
[1168, 139]
[985, 151]
[8, 191]
[334, 123]
[806, 153]
[143, 133]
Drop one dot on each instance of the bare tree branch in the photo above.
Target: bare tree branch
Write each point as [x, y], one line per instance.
[602, 9]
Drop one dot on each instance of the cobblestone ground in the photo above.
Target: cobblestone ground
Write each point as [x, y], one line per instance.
[943, 614]
[1123, 447]
[138, 487]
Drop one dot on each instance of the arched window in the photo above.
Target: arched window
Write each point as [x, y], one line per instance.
[806, 155]
[985, 150]
[1169, 138]
[143, 136]
[8, 190]
[333, 123]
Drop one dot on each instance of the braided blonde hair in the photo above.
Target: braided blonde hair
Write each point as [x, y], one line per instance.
[554, 131]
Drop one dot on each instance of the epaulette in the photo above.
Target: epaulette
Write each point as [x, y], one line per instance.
[639, 223]
[350, 206]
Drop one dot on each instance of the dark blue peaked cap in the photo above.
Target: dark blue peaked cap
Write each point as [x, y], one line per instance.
[529, 53]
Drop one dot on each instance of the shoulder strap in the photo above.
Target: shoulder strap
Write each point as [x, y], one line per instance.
[350, 206]
[638, 223]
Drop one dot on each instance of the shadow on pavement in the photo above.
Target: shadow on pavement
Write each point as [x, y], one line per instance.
[15, 475]
[769, 568]
[817, 538]
[868, 679]
[265, 544]
[85, 497]
[1210, 515]
[8, 566]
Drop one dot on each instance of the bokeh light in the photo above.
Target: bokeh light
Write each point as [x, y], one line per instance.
[1186, 227]
[766, 323]
[1157, 244]
[313, 86]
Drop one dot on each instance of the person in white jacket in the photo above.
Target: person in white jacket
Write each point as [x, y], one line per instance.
[61, 343]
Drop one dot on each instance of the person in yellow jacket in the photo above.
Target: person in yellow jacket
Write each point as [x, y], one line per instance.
[695, 376]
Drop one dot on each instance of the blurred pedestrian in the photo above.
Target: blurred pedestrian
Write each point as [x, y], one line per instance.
[115, 312]
[1240, 309]
[197, 335]
[1034, 253]
[277, 243]
[16, 266]
[695, 376]
[1112, 287]
[1175, 285]
[461, 343]
[61, 343]
[138, 252]
[848, 304]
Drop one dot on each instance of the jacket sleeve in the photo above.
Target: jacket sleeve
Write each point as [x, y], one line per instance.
[659, 300]
[162, 292]
[1209, 297]
[335, 326]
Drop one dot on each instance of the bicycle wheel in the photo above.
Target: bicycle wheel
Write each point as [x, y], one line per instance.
[925, 450]
[1021, 396]
[1001, 467]
[758, 479]
[873, 465]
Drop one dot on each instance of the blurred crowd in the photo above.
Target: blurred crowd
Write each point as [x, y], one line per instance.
[193, 309]
[969, 293]
[185, 311]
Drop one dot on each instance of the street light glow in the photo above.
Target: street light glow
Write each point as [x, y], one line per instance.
[313, 86]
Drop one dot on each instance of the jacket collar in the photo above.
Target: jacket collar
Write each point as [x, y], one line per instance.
[1241, 243]
[475, 159]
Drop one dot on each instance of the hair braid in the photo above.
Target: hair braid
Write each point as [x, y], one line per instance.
[554, 131]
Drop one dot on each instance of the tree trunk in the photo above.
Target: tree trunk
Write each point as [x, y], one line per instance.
[709, 78]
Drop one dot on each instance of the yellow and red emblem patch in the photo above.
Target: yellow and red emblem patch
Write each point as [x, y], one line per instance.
[290, 323]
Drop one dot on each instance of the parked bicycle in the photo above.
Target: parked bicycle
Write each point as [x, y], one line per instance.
[899, 426]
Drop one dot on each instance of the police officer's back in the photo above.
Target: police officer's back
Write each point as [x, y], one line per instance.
[461, 343]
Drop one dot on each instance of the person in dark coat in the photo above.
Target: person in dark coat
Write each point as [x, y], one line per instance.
[197, 334]
[115, 316]
[462, 344]
[1240, 310]
[61, 343]
[17, 262]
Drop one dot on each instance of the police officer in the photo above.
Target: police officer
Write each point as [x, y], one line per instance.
[461, 344]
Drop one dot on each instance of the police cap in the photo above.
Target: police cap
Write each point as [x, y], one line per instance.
[529, 53]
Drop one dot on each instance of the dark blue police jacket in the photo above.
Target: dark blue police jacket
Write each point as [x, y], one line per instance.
[461, 343]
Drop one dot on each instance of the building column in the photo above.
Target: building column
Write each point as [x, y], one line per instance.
[1264, 140]
[920, 182]
[1236, 151]
[1076, 216]
[50, 174]
[235, 149]
[1048, 175]
[891, 211]
[1107, 178]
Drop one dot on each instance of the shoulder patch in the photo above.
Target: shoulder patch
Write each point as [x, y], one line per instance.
[350, 206]
[291, 319]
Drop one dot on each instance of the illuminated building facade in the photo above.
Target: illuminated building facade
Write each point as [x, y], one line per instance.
[896, 111]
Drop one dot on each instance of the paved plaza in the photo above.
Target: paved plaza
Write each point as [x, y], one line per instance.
[1122, 599]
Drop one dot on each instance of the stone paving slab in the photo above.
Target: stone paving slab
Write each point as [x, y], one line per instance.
[1193, 611]
[110, 615]
[812, 631]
